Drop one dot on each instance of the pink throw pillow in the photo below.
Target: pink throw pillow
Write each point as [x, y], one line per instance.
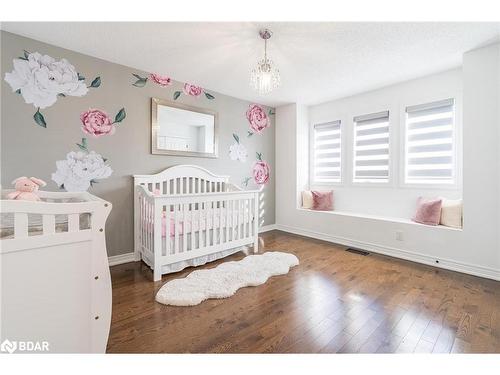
[428, 211]
[322, 200]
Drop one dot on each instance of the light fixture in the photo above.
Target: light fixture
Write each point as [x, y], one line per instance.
[265, 77]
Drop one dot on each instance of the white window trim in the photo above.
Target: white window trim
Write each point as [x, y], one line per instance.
[311, 155]
[457, 142]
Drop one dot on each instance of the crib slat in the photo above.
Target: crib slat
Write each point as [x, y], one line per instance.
[214, 222]
[207, 228]
[49, 224]
[200, 232]
[73, 222]
[247, 219]
[20, 224]
[193, 219]
[238, 217]
[167, 230]
[176, 229]
[233, 219]
[226, 229]
[184, 227]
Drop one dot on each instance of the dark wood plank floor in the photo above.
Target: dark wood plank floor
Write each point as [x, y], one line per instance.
[334, 301]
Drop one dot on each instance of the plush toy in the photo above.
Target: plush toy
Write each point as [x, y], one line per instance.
[26, 188]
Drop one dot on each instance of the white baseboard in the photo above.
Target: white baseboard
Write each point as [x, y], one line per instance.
[129, 257]
[267, 228]
[471, 269]
[120, 259]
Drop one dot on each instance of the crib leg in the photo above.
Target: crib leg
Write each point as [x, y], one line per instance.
[156, 273]
[256, 244]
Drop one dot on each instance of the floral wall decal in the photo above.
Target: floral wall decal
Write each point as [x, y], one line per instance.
[257, 119]
[41, 80]
[81, 169]
[161, 80]
[261, 172]
[237, 151]
[98, 123]
[193, 90]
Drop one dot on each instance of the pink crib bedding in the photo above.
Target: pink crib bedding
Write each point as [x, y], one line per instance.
[193, 222]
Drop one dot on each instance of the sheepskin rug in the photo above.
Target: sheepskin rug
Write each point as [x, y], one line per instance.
[225, 279]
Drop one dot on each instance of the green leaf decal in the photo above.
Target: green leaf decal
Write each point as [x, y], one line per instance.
[140, 82]
[236, 138]
[249, 134]
[18, 91]
[38, 117]
[83, 146]
[80, 77]
[246, 180]
[120, 115]
[96, 82]
[139, 77]
[259, 156]
[209, 96]
[176, 95]
[22, 58]
[271, 112]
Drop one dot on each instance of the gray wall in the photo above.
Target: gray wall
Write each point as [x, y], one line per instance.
[28, 149]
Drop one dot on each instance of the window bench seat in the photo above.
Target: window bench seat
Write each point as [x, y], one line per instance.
[381, 218]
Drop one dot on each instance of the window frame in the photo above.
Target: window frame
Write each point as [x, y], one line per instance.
[363, 112]
[456, 143]
[312, 181]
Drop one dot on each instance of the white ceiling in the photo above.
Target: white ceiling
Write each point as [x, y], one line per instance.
[318, 61]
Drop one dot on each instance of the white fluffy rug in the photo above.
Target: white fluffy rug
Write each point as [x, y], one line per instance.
[225, 279]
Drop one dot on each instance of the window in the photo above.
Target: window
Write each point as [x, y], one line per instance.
[371, 148]
[327, 143]
[429, 143]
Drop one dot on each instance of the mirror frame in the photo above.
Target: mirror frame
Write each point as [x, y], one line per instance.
[154, 129]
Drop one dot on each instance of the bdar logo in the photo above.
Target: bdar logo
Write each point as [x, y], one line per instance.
[8, 346]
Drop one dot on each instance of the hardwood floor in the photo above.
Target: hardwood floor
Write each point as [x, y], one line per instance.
[334, 301]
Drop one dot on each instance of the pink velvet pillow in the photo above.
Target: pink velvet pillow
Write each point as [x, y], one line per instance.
[322, 200]
[428, 211]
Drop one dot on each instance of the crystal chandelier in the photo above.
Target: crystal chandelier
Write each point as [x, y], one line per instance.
[265, 77]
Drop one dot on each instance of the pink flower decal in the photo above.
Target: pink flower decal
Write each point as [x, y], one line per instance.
[97, 123]
[261, 172]
[192, 90]
[257, 118]
[160, 80]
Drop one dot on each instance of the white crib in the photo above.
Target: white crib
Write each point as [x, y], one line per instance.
[55, 280]
[187, 216]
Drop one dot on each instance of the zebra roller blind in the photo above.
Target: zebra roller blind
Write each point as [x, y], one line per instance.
[327, 150]
[429, 146]
[371, 148]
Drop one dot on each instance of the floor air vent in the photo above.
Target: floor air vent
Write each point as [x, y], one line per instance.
[357, 251]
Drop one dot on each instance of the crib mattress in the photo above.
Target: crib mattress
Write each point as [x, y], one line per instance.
[194, 220]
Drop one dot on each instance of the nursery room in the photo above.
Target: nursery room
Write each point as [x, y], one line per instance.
[250, 187]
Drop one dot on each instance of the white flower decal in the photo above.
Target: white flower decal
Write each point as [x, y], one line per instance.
[81, 169]
[41, 80]
[237, 151]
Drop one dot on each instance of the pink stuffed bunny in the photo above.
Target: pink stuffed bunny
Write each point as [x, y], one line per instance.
[26, 188]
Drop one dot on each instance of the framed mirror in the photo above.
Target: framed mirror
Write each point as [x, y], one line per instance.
[182, 130]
